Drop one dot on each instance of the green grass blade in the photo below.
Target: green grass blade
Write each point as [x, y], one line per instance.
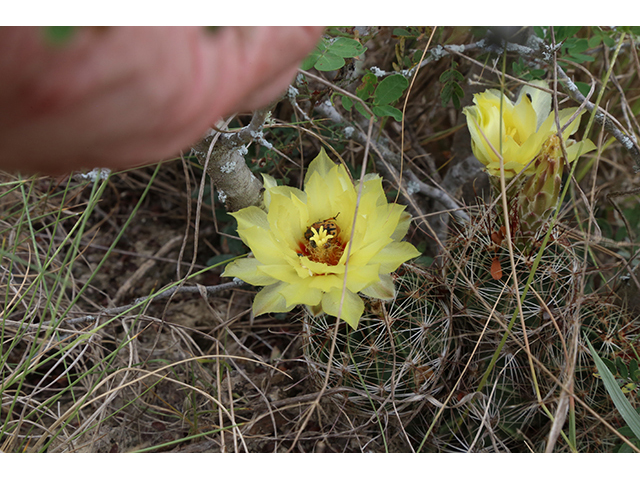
[623, 406]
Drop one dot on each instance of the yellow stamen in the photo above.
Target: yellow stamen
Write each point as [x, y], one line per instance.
[320, 237]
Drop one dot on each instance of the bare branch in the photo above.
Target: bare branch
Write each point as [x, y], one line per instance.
[436, 194]
[210, 290]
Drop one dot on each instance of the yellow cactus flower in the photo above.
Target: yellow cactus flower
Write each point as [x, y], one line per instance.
[300, 243]
[518, 135]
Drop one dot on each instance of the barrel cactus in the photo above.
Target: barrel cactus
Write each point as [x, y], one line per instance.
[395, 356]
[514, 277]
[496, 326]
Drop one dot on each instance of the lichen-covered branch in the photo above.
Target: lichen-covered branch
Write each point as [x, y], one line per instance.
[222, 155]
[627, 142]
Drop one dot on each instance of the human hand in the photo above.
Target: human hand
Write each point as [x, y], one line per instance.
[123, 96]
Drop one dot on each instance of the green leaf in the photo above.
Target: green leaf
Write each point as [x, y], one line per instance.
[630, 30]
[576, 45]
[580, 58]
[390, 90]
[574, 48]
[361, 109]
[310, 61]
[401, 32]
[537, 73]
[624, 448]
[610, 365]
[387, 111]
[328, 61]
[634, 373]
[622, 368]
[444, 78]
[328, 55]
[517, 67]
[630, 416]
[445, 94]
[452, 75]
[583, 87]
[312, 58]
[456, 76]
[539, 31]
[608, 41]
[456, 101]
[346, 48]
[451, 92]
[626, 431]
[347, 103]
[367, 87]
[595, 41]
[562, 33]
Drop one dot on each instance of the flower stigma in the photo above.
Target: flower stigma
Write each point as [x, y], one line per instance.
[320, 237]
[322, 244]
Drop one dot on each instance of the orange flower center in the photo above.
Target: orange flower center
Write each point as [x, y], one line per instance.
[322, 243]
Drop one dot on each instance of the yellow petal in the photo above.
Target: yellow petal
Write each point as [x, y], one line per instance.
[403, 225]
[565, 115]
[524, 120]
[326, 282]
[513, 168]
[269, 182]
[394, 255]
[288, 220]
[284, 273]
[381, 220]
[315, 309]
[540, 100]
[247, 269]
[321, 165]
[265, 247]
[362, 277]
[579, 148]
[485, 133]
[330, 191]
[301, 294]
[533, 144]
[363, 255]
[513, 153]
[320, 269]
[289, 192]
[384, 289]
[269, 300]
[251, 216]
[352, 306]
